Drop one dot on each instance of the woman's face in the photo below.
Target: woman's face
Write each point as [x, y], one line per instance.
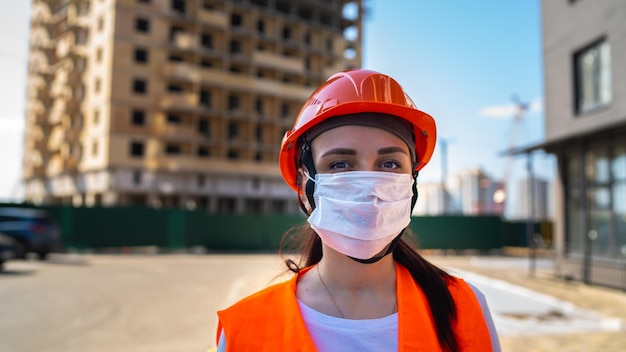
[360, 148]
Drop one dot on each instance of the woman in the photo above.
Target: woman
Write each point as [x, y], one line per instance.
[353, 158]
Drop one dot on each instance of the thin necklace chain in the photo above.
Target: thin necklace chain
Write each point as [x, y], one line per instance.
[330, 295]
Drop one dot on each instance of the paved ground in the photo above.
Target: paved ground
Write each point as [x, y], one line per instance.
[165, 303]
[607, 302]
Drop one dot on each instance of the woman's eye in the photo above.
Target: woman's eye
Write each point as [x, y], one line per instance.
[389, 165]
[338, 165]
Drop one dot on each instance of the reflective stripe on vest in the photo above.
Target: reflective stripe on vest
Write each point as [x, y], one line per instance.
[270, 319]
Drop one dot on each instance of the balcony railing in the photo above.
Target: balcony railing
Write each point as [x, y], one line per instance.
[278, 61]
[174, 130]
[215, 18]
[178, 162]
[180, 100]
[182, 71]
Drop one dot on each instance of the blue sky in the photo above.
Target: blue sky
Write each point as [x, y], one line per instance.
[460, 61]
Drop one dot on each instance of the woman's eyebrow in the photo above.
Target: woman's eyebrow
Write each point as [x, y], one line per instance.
[390, 150]
[340, 151]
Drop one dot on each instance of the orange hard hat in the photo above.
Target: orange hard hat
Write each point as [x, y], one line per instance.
[353, 92]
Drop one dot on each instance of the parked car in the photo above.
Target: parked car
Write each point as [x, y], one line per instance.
[33, 230]
[8, 249]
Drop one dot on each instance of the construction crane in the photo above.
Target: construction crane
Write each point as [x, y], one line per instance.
[501, 196]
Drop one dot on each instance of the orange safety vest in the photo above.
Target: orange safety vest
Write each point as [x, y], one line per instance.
[270, 319]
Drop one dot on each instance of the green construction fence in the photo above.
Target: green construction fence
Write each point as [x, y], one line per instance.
[106, 227]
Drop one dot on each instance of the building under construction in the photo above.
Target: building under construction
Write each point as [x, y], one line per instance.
[175, 103]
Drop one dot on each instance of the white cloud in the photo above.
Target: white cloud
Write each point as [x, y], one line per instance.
[509, 110]
[536, 105]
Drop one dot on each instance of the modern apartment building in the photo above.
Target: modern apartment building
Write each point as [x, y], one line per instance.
[175, 103]
[584, 45]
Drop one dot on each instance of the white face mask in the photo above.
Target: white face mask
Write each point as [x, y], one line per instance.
[359, 213]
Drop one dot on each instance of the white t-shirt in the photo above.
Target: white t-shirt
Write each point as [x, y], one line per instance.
[331, 334]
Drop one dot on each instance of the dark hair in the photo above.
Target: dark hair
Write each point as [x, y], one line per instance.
[433, 280]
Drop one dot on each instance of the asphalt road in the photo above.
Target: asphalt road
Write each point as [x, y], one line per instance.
[123, 302]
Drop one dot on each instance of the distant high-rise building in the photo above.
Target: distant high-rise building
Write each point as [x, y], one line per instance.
[478, 192]
[175, 103]
[536, 190]
[471, 192]
[430, 199]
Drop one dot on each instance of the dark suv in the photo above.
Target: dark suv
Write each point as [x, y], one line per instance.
[33, 230]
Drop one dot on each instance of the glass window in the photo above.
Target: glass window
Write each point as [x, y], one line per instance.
[140, 86]
[173, 149]
[178, 6]
[593, 76]
[136, 149]
[235, 47]
[175, 88]
[233, 130]
[233, 154]
[284, 110]
[619, 198]
[600, 232]
[142, 25]
[598, 165]
[236, 20]
[141, 55]
[600, 198]
[204, 127]
[207, 40]
[174, 119]
[233, 102]
[205, 98]
[575, 216]
[138, 117]
[618, 164]
[203, 151]
[619, 210]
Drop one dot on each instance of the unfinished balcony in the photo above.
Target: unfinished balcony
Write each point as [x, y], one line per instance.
[214, 18]
[181, 71]
[178, 131]
[181, 101]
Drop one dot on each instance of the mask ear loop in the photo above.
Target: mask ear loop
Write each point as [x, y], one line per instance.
[306, 159]
[415, 192]
[390, 249]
